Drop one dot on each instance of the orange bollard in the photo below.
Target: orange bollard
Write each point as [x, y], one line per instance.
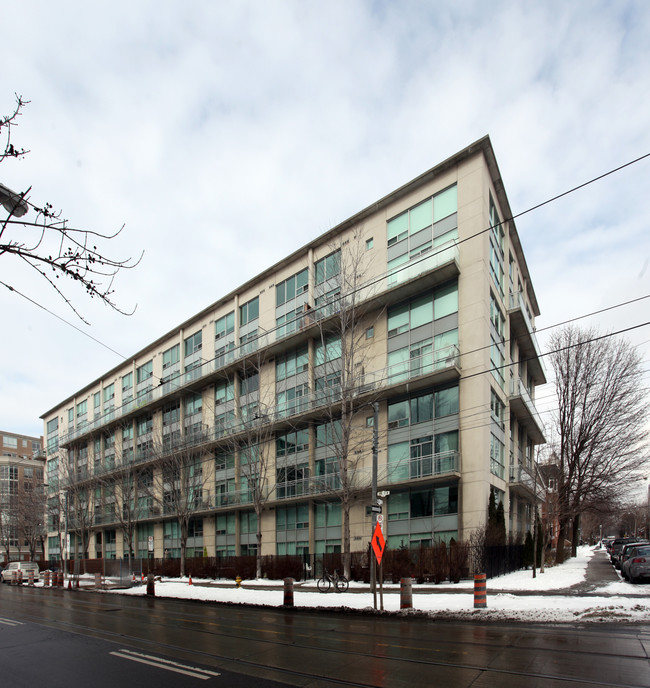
[480, 591]
[288, 592]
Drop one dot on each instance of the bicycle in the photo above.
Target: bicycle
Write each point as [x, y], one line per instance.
[340, 582]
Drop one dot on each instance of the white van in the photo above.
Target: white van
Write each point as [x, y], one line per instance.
[24, 566]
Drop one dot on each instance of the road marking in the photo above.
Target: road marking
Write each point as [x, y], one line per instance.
[194, 672]
[9, 622]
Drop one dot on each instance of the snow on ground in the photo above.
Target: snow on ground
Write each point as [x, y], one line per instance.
[617, 601]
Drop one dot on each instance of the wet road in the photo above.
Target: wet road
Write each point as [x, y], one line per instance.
[108, 638]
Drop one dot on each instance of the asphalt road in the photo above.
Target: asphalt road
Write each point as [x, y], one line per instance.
[67, 638]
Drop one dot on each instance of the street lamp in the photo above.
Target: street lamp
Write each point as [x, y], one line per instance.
[13, 202]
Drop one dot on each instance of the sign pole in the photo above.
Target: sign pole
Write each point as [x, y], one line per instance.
[375, 451]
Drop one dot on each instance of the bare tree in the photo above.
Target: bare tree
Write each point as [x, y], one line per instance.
[47, 243]
[179, 483]
[32, 510]
[8, 523]
[600, 423]
[77, 500]
[342, 383]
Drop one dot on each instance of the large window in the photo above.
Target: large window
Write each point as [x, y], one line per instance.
[225, 325]
[249, 311]
[328, 267]
[193, 343]
[290, 288]
[291, 364]
[171, 356]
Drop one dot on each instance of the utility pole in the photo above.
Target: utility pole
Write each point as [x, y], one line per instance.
[373, 520]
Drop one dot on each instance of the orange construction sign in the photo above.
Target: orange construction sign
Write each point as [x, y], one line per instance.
[378, 543]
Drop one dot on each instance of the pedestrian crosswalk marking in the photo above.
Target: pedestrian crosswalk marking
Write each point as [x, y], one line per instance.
[10, 622]
[194, 672]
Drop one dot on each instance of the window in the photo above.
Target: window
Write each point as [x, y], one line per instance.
[249, 311]
[292, 364]
[171, 356]
[497, 409]
[292, 287]
[224, 391]
[327, 350]
[225, 325]
[328, 267]
[369, 243]
[144, 372]
[497, 451]
[127, 385]
[446, 402]
[292, 518]
[292, 442]
[193, 404]
[292, 400]
[193, 343]
[370, 333]
[410, 315]
[249, 383]
[445, 301]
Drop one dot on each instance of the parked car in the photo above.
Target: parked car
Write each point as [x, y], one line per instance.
[24, 566]
[627, 549]
[617, 545]
[637, 566]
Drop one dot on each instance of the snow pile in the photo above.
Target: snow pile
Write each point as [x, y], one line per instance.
[615, 602]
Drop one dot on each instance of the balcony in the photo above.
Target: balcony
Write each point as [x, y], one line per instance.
[438, 465]
[441, 265]
[524, 409]
[522, 481]
[523, 331]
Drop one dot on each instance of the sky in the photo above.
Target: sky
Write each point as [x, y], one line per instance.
[225, 135]
[617, 601]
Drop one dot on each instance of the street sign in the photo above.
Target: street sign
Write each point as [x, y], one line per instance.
[375, 508]
[380, 518]
[378, 543]
[150, 543]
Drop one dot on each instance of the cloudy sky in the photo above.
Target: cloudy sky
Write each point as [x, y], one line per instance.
[224, 135]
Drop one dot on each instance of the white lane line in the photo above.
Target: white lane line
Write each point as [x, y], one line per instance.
[194, 672]
[9, 622]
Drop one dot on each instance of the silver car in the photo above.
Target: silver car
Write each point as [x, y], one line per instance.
[19, 566]
[637, 565]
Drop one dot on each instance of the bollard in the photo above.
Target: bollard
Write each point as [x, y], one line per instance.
[151, 586]
[480, 592]
[406, 593]
[46, 579]
[14, 577]
[60, 579]
[238, 581]
[288, 592]
[30, 579]
[20, 576]
[98, 580]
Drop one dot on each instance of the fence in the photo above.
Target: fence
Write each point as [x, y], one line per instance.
[441, 562]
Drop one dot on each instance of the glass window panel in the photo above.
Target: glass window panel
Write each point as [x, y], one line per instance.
[446, 301]
[398, 461]
[398, 414]
[421, 216]
[445, 203]
[398, 506]
[422, 408]
[398, 226]
[446, 441]
[446, 402]
[421, 504]
[398, 319]
[421, 311]
[280, 294]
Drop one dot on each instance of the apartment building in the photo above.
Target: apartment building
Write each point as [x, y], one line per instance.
[22, 504]
[250, 427]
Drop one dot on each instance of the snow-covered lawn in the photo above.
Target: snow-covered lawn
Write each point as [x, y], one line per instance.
[618, 601]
